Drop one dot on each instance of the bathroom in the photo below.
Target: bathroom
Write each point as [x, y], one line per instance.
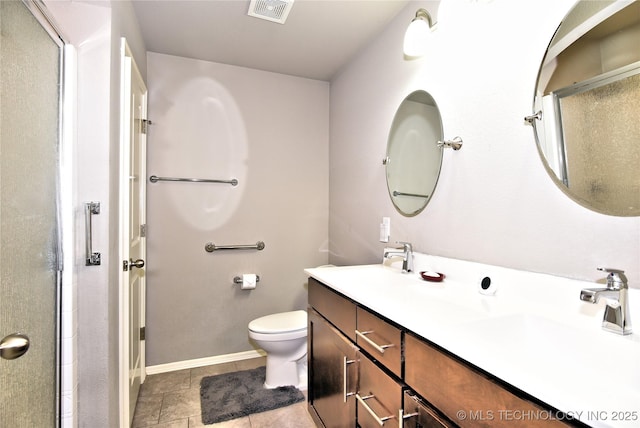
[314, 189]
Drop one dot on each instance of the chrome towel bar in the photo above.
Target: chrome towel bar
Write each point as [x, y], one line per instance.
[155, 179]
[210, 247]
[396, 193]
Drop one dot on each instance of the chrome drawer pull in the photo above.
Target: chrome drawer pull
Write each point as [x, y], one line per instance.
[379, 348]
[378, 419]
[345, 394]
[402, 417]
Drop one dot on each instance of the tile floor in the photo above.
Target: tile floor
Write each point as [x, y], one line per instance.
[172, 400]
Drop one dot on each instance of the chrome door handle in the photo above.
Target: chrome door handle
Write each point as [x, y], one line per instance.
[139, 263]
[126, 265]
[14, 346]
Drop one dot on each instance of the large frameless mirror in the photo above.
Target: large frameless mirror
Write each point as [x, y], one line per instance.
[413, 158]
[587, 106]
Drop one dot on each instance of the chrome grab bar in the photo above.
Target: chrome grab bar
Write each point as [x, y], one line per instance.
[155, 179]
[210, 247]
[415, 195]
[379, 348]
[379, 420]
[90, 209]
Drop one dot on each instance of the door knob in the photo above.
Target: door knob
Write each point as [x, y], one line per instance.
[14, 346]
[139, 263]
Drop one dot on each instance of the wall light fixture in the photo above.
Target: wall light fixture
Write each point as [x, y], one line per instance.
[417, 33]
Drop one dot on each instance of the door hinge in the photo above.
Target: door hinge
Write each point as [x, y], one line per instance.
[143, 331]
[145, 126]
[143, 230]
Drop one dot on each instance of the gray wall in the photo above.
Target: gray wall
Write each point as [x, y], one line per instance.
[494, 202]
[268, 130]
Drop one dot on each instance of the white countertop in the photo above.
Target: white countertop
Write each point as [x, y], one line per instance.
[534, 333]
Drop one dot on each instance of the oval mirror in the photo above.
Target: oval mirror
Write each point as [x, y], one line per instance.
[413, 158]
[587, 106]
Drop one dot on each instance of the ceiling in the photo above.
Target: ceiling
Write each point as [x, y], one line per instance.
[317, 39]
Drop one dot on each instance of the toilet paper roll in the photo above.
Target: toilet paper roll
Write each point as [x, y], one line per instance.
[248, 281]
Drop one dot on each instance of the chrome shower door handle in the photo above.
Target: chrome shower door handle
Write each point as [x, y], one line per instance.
[14, 346]
[90, 209]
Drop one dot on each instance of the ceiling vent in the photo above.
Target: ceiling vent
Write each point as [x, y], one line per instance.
[271, 10]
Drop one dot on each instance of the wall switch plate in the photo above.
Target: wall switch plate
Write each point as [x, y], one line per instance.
[385, 229]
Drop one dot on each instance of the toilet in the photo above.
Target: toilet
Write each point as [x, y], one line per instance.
[283, 336]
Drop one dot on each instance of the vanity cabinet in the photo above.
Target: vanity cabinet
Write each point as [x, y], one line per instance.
[365, 371]
[347, 387]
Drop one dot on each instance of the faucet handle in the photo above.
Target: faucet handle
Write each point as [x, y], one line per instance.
[615, 277]
[406, 245]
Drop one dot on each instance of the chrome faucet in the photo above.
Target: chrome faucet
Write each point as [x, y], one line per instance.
[616, 313]
[406, 251]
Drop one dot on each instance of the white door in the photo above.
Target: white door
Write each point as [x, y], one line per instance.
[133, 243]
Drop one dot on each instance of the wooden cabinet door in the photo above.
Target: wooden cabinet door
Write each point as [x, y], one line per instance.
[333, 374]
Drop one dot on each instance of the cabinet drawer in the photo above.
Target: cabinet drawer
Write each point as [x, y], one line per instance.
[379, 397]
[340, 311]
[417, 413]
[380, 339]
[453, 387]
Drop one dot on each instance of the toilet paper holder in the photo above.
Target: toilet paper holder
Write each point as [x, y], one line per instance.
[238, 279]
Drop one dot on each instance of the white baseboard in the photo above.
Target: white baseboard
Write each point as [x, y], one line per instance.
[207, 361]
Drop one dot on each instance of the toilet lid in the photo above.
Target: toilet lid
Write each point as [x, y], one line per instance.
[280, 323]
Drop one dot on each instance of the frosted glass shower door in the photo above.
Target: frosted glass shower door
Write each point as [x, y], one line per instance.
[29, 271]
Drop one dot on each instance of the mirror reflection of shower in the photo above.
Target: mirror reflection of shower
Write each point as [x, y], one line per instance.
[585, 106]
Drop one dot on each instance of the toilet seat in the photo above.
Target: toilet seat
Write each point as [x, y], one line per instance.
[284, 322]
[281, 326]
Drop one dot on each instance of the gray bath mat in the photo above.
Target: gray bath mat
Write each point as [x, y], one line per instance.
[234, 395]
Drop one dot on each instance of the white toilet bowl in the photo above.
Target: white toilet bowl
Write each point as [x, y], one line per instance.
[283, 336]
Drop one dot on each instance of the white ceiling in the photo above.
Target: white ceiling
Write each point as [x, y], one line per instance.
[318, 38]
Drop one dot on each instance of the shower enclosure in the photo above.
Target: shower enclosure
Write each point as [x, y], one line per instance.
[30, 257]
